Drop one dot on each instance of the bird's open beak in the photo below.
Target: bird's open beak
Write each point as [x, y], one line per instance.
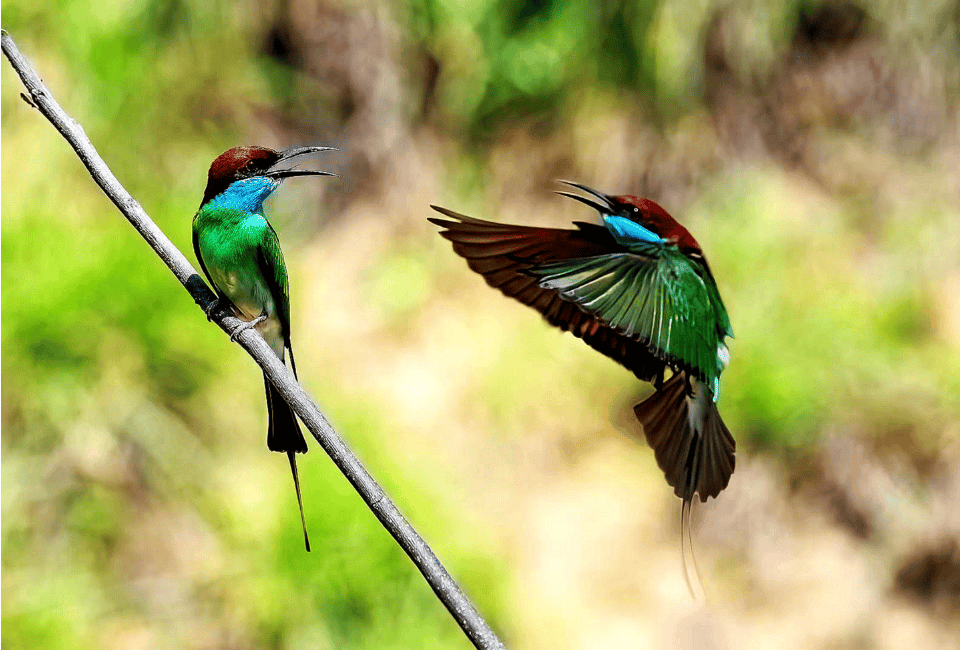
[294, 152]
[605, 206]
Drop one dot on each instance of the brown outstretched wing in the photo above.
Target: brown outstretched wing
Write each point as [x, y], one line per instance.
[500, 253]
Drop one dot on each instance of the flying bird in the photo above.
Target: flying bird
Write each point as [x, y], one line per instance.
[639, 290]
[240, 254]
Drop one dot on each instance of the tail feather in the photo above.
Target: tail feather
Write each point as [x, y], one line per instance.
[691, 443]
[686, 543]
[284, 432]
[693, 448]
[284, 435]
[296, 483]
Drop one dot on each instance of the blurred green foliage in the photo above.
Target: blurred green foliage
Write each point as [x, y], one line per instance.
[140, 508]
[507, 59]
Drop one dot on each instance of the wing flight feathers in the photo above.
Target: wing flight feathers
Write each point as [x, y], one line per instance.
[503, 254]
[658, 300]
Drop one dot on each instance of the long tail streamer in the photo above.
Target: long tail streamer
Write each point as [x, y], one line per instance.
[296, 483]
[695, 581]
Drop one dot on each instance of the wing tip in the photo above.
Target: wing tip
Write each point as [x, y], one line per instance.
[443, 223]
[449, 213]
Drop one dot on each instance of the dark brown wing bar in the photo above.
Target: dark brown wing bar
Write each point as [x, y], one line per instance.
[500, 252]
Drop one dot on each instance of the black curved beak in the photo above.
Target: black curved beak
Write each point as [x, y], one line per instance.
[294, 152]
[605, 205]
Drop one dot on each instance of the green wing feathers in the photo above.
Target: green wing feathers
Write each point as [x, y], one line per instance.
[274, 270]
[659, 299]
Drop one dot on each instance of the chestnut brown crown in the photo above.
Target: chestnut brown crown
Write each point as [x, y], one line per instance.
[645, 212]
[654, 218]
[236, 164]
[247, 161]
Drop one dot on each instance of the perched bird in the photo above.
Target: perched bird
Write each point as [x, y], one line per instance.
[239, 253]
[639, 290]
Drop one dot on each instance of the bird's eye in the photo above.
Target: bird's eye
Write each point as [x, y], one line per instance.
[636, 210]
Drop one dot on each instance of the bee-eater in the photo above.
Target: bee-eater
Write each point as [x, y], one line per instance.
[239, 253]
[639, 290]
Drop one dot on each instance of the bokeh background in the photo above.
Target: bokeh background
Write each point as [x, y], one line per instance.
[812, 148]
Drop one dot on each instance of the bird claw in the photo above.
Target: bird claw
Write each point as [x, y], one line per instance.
[211, 308]
[244, 326]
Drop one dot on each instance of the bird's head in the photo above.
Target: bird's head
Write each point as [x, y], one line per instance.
[645, 212]
[253, 172]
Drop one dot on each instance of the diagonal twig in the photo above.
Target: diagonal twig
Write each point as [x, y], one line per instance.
[447, 590]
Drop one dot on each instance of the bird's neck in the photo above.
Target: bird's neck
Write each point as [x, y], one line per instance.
[245, 196]
[628, 232]
[669, 228]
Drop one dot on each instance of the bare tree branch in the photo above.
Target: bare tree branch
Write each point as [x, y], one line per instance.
[373, 495]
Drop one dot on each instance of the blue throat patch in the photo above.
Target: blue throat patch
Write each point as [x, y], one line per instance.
[627, 232]
[247, 195]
